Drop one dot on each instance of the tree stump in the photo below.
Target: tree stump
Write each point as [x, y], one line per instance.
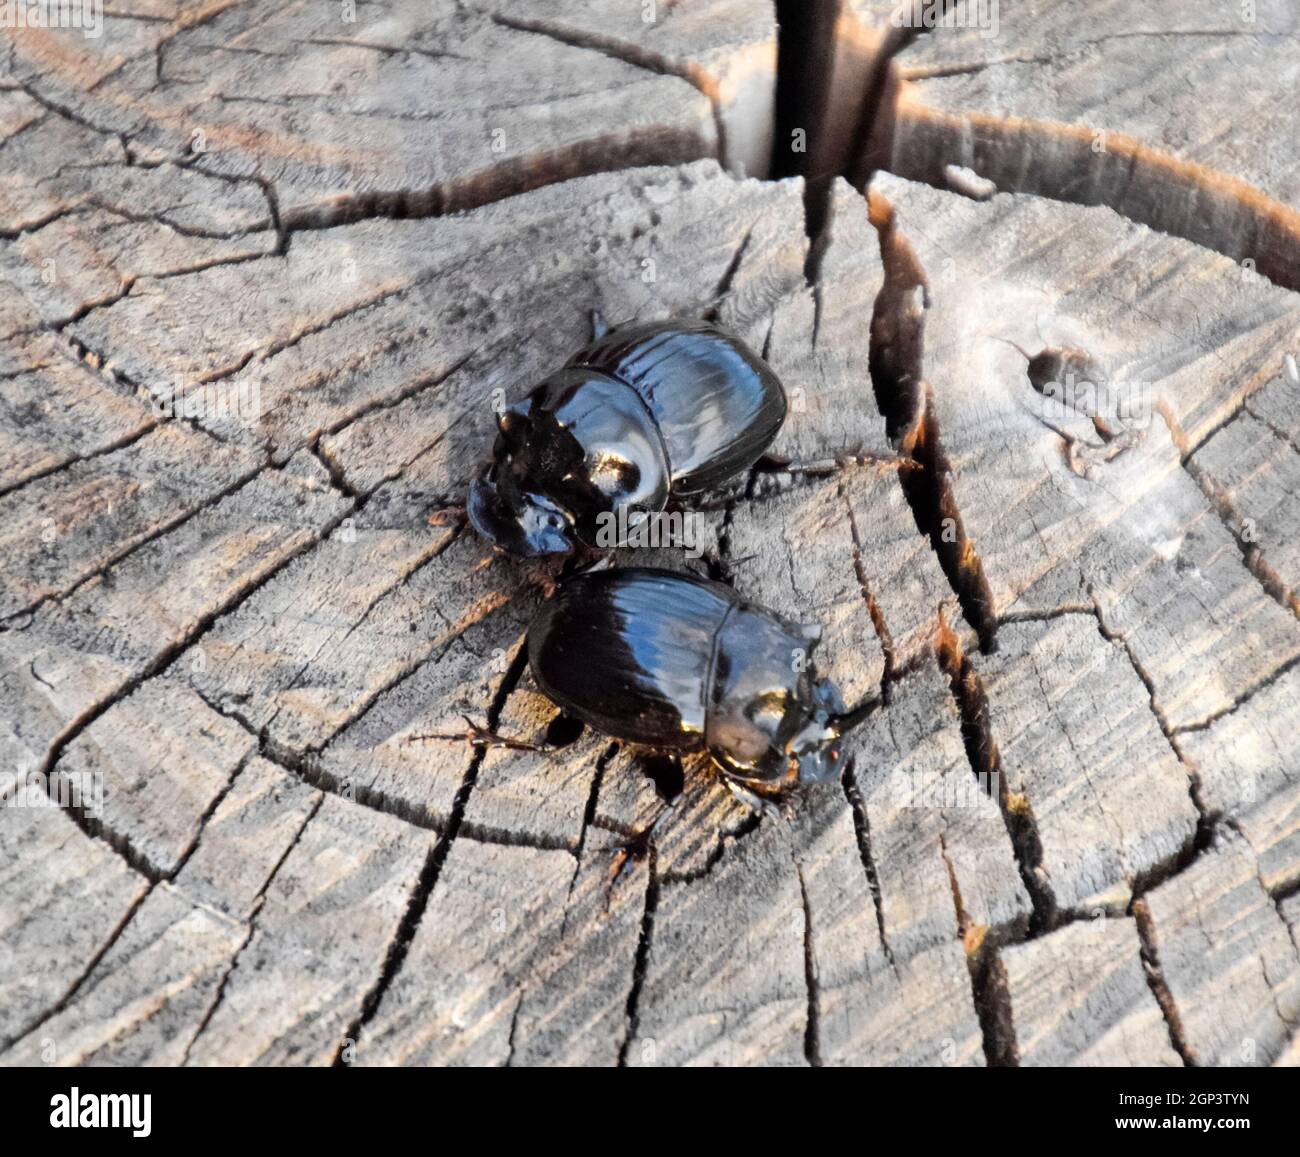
[1029, 273]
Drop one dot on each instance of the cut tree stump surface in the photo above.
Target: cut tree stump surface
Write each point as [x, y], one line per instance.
[272, 267]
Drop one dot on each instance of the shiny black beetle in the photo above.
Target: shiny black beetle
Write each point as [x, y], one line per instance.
[643, 414]
[677, 662]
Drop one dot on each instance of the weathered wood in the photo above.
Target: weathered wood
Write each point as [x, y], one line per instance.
[237, 90]
[1029, 505]
[1214, 929]
[504, 907]
[1249, 469]
[273, 269]
[1083, 762]
[1076, 112]
[71, 894]
[1245, 764]
[872, 1008]
[342, 882]
[185, 935]
[1080, 997]
[76, 657]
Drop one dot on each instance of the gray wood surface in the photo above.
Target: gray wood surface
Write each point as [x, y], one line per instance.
[269, 269]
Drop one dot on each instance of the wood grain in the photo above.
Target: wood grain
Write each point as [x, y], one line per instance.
[273, 267]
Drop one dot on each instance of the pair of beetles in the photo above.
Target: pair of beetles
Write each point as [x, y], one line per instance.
[642, 417]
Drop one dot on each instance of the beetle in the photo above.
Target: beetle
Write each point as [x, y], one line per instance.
[682, 663]
[645, 414]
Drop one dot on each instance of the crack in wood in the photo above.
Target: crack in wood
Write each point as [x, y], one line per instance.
[1141, 183]
[258, 901]
[636, 55]
[418, 901]
[642, 958]
[897, 373]
[131, 548]
[138, 862]
[1233, 521]
[986, 764]
[862, 830]
[1159, 989]
[812, 1031]
[911, 413]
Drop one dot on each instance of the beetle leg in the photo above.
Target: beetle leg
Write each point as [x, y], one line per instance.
[478, 736]
[824, 467]
[719, 499]
[633, 849]
[754, 803]
[448, 516]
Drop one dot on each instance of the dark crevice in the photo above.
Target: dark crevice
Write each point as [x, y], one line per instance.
[835, 96]
[642, 960]
[806, 47]
[332, 467]
[986, 762]
[728, 278]
[665, 771]
[588, 821]
[593, 797]
[862, 829]
[992, 998]
[258, 902]
[1183, 858]
[427, 880]
[1242, 697]
[890, 672]
[504, 180]
[514, 1029]
[989, 991]
[1078, 164]
[75, 987]
[479, 833]
[911, 423]
[1159, 989]
[812, 1028]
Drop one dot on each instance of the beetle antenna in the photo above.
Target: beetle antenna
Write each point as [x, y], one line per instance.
[478, 736]
[1018, 348]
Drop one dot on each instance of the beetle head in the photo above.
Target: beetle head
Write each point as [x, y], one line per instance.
[505, 506]
[774, 724]
[520, 522]
[815, 748]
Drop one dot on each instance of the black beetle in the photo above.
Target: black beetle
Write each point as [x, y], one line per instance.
[681, 663]
[643, 414]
